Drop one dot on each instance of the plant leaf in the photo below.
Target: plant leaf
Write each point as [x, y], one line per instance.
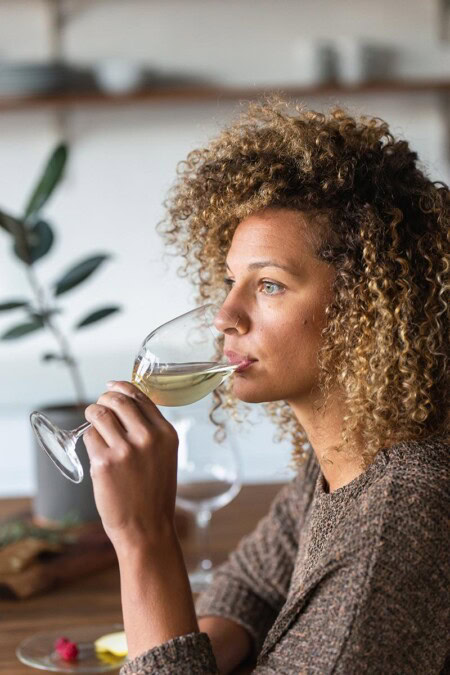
[50, 178]
[97, 315]
[22, 329]
[12, 304]
[18, 230]
[39, 239]
[79, 273]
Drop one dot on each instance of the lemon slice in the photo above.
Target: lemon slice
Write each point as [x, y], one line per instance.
[115, 643]
[110, 659]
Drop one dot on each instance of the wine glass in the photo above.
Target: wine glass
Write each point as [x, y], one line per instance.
[209, 478]
[178, 363]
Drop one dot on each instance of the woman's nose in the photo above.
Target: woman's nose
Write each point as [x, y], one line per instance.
[227, 321]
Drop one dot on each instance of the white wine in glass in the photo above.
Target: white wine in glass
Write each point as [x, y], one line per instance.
[179, 384]
[178, 363]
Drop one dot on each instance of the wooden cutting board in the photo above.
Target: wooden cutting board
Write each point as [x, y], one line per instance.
[31, 566]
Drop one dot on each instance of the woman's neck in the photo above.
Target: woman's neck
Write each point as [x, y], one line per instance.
[323, 429]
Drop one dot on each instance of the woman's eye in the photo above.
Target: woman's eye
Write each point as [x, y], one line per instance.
[229, 282]
[272, 288]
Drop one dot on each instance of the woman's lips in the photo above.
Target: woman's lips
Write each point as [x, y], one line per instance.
[243, 366]
[243, 361]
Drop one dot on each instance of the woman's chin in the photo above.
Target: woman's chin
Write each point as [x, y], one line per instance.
[249, 392]
[251, 399]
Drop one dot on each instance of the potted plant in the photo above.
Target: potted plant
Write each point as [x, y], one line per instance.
[32, 237]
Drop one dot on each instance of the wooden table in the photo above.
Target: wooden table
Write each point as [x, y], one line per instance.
[96, 598]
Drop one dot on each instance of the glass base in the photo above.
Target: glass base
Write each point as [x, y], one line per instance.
[200, 579]
[59, 446]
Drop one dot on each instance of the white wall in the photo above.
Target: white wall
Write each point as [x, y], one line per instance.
[123, 161]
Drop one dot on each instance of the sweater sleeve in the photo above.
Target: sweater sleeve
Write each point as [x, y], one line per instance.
[381, 603]
[251, 586]
[190, 653]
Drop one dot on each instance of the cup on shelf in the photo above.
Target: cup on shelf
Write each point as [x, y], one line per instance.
[314, 61]
[429, 60]
[361, 61]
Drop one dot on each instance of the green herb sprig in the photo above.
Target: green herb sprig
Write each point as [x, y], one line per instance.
[16, 530]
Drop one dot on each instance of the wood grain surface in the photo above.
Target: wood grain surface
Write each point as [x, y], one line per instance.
[95, 599]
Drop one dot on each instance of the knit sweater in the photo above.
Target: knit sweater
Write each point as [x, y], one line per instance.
[349, 582]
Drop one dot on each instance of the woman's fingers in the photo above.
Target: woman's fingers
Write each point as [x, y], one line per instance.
[125, 414]
[105, 423]
[147, 406]
[94, 438]
[96, 447]
[136, 427]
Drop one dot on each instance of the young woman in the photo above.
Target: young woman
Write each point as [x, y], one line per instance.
[332, 244]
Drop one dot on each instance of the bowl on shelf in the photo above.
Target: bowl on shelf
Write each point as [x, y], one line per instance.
[119, 76]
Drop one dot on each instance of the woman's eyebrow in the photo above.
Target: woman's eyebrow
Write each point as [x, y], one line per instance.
[267, 263]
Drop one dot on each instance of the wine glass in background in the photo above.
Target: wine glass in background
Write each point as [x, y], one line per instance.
[178, 363]
[209, 478]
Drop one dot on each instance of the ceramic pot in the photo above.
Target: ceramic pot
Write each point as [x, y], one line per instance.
[56, 497]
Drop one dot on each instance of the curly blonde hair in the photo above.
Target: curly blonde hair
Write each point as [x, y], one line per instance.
[377, 218]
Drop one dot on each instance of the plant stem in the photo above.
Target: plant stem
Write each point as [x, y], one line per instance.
[66, 355]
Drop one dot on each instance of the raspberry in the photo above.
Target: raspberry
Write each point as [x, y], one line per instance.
[60, 642]
[66, 649]
[70, 651]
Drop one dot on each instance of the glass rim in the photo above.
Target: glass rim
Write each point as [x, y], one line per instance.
[177, 318]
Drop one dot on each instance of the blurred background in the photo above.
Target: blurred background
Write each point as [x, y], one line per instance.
[133, 87]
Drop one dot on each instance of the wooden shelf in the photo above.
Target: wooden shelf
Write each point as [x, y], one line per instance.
[197, 93]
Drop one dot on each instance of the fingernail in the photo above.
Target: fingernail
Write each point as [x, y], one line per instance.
[111, 383]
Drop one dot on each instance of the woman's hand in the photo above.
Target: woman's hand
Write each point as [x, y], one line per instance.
[133, 454]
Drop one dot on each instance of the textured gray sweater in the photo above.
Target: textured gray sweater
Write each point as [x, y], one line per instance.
[349, 582]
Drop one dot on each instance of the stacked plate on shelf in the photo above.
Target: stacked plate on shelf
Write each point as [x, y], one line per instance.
[28, 79]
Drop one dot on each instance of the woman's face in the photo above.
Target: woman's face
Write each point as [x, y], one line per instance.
[278, 295]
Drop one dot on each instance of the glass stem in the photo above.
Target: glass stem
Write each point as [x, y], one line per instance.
[79, 431]
[202, 520]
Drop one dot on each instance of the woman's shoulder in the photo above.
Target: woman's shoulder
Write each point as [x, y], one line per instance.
[399, 510]
[413, 481]
[419, 462]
